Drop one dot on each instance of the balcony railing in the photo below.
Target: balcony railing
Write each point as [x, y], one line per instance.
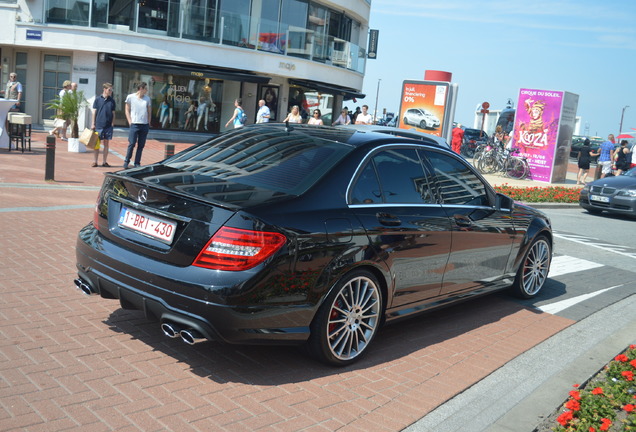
[203, 23]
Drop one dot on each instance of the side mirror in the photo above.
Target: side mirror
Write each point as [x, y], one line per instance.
[504, 202]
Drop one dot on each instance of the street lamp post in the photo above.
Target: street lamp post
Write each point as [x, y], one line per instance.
[620, 128]
[377, 94]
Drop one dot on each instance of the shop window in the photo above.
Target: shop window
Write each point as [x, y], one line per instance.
[56, 70]
[179, 102]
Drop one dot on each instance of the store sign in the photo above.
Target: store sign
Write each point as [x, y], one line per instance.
[34, 34]
[373, 44]
[423, 106]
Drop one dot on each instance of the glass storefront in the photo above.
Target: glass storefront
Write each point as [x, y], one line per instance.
[179, 102]
[297, 28]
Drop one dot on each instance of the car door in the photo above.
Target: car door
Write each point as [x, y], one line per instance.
[482, 235]
[392, 198]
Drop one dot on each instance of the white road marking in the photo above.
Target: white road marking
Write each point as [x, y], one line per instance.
[556, 307]
[596, 243]
[564, 264]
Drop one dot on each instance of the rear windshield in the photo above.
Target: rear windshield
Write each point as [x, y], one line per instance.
[289, 162]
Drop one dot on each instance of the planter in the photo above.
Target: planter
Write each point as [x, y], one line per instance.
[75, 146]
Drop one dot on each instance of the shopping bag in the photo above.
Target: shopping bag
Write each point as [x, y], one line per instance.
[98, 142]
[89, 138]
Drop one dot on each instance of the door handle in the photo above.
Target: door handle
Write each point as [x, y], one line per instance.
[463, 221]
[388, 219]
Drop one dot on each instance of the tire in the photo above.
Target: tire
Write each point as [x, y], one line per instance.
[405, 121]
[423, 125]
[516, 169]
[348, 320]
[534, 269]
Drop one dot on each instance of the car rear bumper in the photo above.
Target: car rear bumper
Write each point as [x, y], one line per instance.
[161, 299]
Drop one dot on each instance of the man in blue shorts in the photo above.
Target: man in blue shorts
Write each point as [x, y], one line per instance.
[104, 120]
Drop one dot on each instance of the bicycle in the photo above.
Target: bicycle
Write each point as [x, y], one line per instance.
[494, 159]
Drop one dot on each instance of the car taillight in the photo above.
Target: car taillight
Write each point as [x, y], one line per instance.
[237, 249]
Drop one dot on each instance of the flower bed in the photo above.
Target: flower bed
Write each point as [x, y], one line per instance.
[608, 401]
[558, 194]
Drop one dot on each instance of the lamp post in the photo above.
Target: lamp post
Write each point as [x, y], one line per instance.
[620, 128]
[375, 111]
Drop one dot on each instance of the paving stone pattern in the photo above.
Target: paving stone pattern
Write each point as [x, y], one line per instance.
[78, 363]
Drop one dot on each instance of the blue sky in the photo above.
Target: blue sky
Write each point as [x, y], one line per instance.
[493, 48]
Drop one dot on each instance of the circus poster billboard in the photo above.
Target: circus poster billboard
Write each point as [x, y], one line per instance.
[543, 128]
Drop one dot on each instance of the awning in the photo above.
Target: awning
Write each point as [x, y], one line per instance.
[197, 71]
[347, 93]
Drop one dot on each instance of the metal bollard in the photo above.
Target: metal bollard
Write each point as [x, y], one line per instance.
[169, 151]
[49, 172]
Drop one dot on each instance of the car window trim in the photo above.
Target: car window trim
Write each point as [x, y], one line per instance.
[375, 150]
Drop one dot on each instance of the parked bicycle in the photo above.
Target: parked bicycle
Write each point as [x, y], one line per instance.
[492, 159]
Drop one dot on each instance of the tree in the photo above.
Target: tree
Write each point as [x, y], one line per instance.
[68, 107]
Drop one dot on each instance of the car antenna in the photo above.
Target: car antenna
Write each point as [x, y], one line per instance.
[287, 128]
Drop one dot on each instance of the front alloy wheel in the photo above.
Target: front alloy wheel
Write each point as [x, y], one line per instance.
[348, 320]
[534, 269]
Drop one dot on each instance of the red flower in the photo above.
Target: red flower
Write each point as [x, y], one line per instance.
[592, 429]
[597, 391]
[632, 347]
[573, 405]
[606, 424]
[633, 363]
[621, 358]
[629, 408]
[575, 395]
[564, 418]
[628, 375]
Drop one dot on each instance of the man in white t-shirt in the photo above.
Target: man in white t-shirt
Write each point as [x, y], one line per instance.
[263, 114]
[364, 117]
[138, 112]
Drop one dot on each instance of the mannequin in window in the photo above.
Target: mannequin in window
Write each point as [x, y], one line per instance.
[168, 91]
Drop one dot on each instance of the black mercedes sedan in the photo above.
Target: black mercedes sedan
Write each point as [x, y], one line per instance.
[308, 235]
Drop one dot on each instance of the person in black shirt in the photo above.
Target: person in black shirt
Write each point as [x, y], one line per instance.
[585, 156]
[104, 120]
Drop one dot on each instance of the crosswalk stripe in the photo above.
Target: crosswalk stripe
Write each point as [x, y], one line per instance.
[556, 307]
[564, 264]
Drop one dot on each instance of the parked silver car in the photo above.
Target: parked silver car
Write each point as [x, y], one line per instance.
[420, 117]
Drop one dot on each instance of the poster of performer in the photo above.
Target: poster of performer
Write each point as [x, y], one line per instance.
[536, 130]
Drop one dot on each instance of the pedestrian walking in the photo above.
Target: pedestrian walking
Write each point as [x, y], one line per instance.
[237, 118]
[316, 119]
[343, 118]
[138, 112]
[294, 116]
[104, 121]
[458, 138]
[585, 157]
[263, 114]
[606, 155]
[623, 161]
[364, 117]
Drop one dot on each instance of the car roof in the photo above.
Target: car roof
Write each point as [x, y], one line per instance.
[399, 132]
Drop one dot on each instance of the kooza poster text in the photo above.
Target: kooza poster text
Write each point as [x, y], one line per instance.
[536, 129]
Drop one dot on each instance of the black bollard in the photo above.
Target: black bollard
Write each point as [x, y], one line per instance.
[49, 172]
[169, 151]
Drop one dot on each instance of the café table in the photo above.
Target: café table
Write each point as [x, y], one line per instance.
[5, 106]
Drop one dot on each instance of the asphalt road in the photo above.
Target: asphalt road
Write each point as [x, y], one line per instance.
[593, 282]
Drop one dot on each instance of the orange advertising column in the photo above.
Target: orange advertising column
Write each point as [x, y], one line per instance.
[433, 75]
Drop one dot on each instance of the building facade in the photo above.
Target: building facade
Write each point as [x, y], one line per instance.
[197, 56]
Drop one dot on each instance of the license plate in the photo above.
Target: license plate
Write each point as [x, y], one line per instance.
[599, 198]
[151, 225]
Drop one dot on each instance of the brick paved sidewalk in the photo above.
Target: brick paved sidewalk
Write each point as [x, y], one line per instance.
[72, 362]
